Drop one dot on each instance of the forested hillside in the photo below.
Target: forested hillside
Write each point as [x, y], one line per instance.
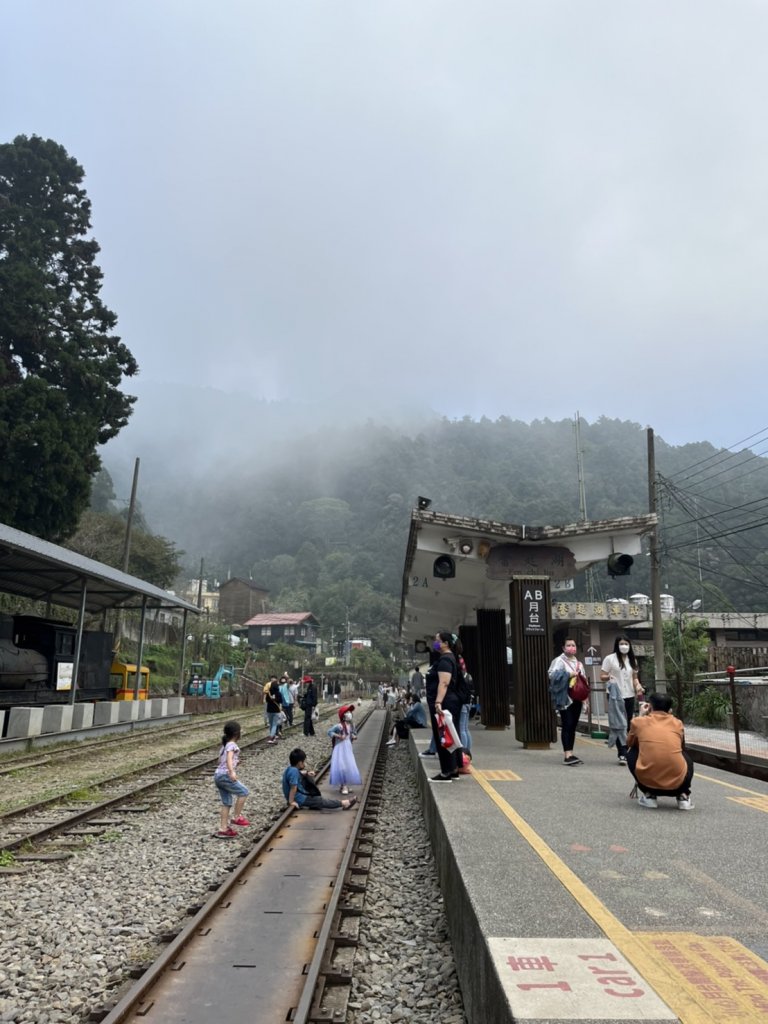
[326, 529]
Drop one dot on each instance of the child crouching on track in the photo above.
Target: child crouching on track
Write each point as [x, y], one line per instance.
[227, 783]
[300, 790]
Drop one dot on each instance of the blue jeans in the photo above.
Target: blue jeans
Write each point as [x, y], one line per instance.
[229, 789]
[274, 722]
[464, 735]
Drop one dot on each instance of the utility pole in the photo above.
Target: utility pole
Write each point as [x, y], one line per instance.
[200, 605]
[127, 545]
[658, 627]
[583, 499]
[129, 521]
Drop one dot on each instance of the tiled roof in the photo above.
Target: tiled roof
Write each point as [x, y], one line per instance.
[280, 619]
[249, 583]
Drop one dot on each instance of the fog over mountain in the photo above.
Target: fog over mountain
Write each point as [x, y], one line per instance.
[312, 501]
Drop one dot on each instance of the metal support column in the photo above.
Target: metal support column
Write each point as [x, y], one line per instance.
[141, 646]
[78, 641]
[183, 652]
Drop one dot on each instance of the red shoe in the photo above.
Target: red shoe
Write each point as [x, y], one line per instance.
[228, 833]
[241, 821]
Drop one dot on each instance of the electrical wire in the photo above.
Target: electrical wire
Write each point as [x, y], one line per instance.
[684, 473]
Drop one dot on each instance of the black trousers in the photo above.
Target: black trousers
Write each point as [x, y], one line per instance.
[685, 787]
[450, 760]
[569, 719]
[321, 803]
[309, 729]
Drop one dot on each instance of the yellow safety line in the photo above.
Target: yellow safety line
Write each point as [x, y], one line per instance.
[730, 785]
[679, 996]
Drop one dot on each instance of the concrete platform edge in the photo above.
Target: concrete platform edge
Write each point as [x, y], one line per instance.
[485, 1001]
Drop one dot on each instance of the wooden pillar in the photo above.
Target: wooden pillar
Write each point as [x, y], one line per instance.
[529, 601]
[492, 667]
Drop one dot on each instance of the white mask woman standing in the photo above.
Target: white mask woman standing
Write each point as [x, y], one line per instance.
[621, 668]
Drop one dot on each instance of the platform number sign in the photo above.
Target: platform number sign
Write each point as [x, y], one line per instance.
[533, 611]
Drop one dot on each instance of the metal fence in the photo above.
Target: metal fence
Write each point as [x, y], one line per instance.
[729, 712]
[708, 713]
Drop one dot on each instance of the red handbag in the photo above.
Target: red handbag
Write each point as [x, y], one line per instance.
[578, 688]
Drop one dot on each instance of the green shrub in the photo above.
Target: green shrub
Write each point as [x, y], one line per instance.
[708, 707]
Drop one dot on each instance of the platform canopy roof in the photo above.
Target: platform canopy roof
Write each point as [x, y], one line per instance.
[486, 554]
[34, 568]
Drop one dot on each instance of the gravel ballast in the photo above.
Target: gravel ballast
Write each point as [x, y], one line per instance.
[73, 930]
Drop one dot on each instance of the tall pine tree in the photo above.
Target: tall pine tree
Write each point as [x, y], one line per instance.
[60, 364]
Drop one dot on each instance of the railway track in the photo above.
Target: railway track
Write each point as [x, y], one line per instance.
[27, 827]
[83, 748]
[276, 940]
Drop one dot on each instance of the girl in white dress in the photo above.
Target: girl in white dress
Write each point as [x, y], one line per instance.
[344, 770]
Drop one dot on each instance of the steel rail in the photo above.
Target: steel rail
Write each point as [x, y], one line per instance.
[70, 821]
[133, 1000]
[303, 1011]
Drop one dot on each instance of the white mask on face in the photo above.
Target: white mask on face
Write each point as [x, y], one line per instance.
[624, 648]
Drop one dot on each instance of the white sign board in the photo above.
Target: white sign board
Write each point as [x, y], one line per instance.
[64, 675]
[573, 979]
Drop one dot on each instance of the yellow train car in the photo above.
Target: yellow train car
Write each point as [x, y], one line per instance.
[122, 678]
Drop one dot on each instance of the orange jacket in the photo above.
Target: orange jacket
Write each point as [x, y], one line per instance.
[660, 739]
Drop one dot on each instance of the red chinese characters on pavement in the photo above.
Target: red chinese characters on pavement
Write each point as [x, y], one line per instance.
[614, 981]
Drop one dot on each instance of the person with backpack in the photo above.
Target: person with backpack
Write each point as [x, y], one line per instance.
[442, 686]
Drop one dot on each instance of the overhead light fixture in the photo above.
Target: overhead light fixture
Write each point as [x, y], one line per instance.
[466, 546]
[423, 503]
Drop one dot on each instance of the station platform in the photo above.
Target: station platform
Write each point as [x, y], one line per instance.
[567, 901]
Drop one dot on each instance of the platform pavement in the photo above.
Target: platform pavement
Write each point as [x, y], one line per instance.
[566, 901]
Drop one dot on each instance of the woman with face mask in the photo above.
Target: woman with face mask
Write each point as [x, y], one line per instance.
[563, 670]
[442, 696]
[621, 668]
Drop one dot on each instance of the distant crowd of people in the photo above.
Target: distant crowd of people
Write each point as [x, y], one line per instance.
[649, 740]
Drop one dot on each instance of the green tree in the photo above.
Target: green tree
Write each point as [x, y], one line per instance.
[60, 364]
[686, 647]
[101, 535]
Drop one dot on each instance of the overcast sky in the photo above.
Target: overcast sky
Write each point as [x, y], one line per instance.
[520, 208]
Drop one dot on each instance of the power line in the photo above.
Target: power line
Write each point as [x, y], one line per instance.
[726, 509]
[687, 470]
[718, 543]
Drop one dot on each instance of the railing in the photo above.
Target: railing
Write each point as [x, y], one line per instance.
[708, 713]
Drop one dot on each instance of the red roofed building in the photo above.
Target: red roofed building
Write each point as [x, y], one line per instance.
[298, 628]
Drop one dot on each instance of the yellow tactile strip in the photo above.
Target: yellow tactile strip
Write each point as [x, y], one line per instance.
[731, 978]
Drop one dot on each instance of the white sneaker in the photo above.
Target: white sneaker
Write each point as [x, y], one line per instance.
[646, 801]
[390, 743]
[684, 803]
